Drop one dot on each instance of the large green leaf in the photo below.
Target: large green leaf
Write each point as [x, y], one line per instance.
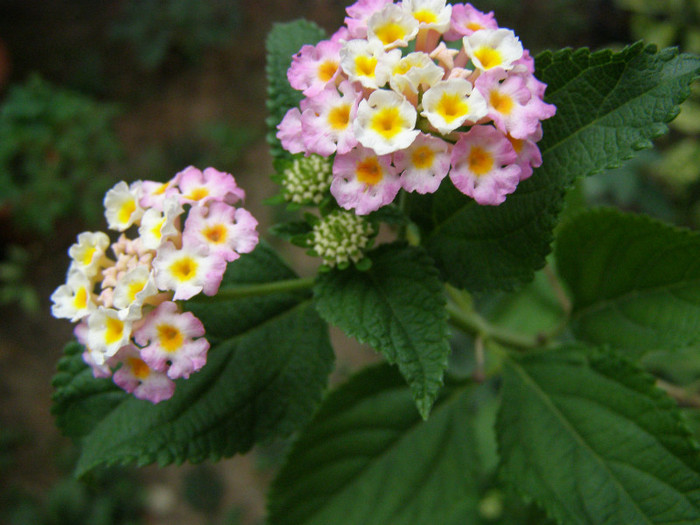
[608, 106]
[398, 307]
[264, 377]
[590, 438]
[634, 281]
[284, 41]
[367, 458]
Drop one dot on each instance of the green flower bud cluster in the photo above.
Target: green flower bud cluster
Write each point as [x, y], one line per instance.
[307, 180]
[341, 237]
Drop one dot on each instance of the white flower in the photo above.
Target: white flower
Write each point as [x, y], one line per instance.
[157, 227]
[392, 27]
[414, 71]
[122, 207]
[73, 300]
[88, 253]
[430, 14]
[489, 48]
[132, 289]
[385, 122]
[188, 271]
[365, 62]
[106, 333]
[450, 103]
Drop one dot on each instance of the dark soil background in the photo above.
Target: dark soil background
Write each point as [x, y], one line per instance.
[69, 43]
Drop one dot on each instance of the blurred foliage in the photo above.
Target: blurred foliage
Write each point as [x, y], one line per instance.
[13, 280]
[204, 489]
[155, 28]
[55, 149]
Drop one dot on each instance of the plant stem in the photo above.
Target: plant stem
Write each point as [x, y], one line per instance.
[257, 290]
[471, 322]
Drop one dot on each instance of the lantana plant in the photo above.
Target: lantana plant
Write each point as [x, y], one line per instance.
[427, 156]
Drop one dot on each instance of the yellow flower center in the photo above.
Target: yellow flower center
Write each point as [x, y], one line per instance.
[488, 57]
[198, 194]
[169, 337]
[390, 33]
[423, 157]
[114, 330]
[387, 122]
[339, 116]
[139, 369]
[81, 298]
[474, 26]
[425, 16]
[157, 227]
[480, 161]
[88, 254]
[516, 143]
[501, 103]
[184, 269]
[369, 171]
[134, 288]
[326, 70]
[126, 210]
[451, 107]
[365, 66]
[215, 234]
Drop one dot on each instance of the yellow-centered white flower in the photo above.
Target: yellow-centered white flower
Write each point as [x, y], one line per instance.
[364, 62]
[74, 299]
[385, 122]
[106, 333]
[430, 14]
[450, 103]
[415, 70]
[157, 227]
[392, 27]
[122, 206]
[489, 48]
[132, 289]
[88, 253]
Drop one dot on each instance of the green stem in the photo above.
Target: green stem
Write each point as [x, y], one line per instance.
[472, 322]
[257, 290]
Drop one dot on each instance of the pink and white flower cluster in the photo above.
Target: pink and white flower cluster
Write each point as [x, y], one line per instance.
[127, 306]
[400, 109]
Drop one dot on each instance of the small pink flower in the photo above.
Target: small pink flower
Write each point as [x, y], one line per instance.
[289, 132]
[172, 341]
[483, 165]
[188, 270]
[225, 230]
[359, 12]
[466, 19]
[137, 378]
[364, 181]
[507, 97]
[529, 156]
[327, 121]
[201, 187]
[424, 164]
[314, 67]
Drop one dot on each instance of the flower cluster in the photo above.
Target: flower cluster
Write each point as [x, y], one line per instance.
[406, 93]
[128, 318]
[340, 238]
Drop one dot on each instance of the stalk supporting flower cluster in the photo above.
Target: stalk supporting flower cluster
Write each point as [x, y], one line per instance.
[129, 318]
[406, 93]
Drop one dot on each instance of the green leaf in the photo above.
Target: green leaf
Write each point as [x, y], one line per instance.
[368, 459]
[284, 41]
[591, 439]
[608, 106]
[265, 373]
[397, 307]
[635, 281]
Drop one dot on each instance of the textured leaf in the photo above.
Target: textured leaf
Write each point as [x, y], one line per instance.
[264, 376]
[284, 41]
[591, 439]
[608, 106]
[635, 281]
[368, 459]
[397, 307]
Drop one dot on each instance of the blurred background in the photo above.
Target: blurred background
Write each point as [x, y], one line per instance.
[97, 91]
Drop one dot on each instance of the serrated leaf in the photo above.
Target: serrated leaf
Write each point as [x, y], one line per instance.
[634, 281]
[265, 373]
[397, 307]
[608, 106]
[368, 459]
[284, 41]
[590, 438]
